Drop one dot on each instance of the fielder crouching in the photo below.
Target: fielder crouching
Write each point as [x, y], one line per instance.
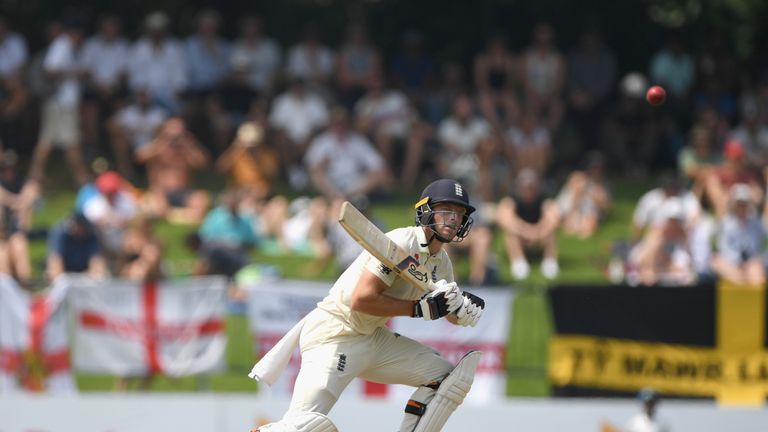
[346, 335]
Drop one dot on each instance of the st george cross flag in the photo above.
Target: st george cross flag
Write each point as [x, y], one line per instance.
[127, 328]
[34, 347]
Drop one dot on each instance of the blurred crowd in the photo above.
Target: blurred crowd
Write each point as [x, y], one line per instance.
[533, 133]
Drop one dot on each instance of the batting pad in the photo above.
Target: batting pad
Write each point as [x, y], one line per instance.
[304, 422]
[450, 394]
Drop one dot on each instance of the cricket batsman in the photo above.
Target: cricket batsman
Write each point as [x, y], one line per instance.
[346, 335]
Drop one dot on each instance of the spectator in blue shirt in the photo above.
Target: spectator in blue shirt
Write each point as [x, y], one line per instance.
[226, 236]
[73, 247]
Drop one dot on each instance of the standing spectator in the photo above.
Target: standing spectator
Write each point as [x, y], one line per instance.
[171, 159]
[111, 210]
[528, 144]
[496, 79]
[133, 127]
[157, 63]
[105, 67]
[412, 69]
[13, 51]
[343, 163]
[739, 253]
[312, 62]
[467, 144]
[296, 116]
[61, 111]
[387, 117]
[585, 199]
[544, 75]
[358, 65]
[73, 247]
[17, 199]
[528, 221]
[591, 80]
[260, 54]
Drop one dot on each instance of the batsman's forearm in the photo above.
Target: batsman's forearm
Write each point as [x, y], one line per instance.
[382, 305]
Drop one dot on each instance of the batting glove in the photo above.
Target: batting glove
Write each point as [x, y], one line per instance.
[446, 298]
[470, 311]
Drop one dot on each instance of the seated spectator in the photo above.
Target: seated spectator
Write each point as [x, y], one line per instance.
[17, 198]
[133, 127]
[466, 146]
[73, 247]
[104, 58]
[343, 164]
[528, 144]
[250, 162]
[528, 221]
[387, 117]
[648, 213]
[663, 256]
[412, 69]
[157, 63]
[312, 62]
[584, 200]
[739, 252]
[496, 79]
[260, 54]
[297, 227]
[111, 210]
[752, 133]
[171, 158]
[296, 117]
[543, 71]
[358, 63]
[698, 158]
[141, 252]
[227, 236]
[734, 170]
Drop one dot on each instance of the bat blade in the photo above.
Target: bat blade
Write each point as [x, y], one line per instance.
[370, 237]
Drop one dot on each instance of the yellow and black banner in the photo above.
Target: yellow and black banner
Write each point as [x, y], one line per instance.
[705, 341]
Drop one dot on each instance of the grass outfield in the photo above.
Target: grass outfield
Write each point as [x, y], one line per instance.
[581, 261]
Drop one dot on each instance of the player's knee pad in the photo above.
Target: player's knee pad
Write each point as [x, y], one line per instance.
[432, 414]
[303, 422]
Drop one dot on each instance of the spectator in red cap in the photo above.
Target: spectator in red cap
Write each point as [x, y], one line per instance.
[111, 210]
[733, 170]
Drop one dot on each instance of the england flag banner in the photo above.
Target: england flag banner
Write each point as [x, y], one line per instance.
[126, 328]
[34, 346]
[452, 342]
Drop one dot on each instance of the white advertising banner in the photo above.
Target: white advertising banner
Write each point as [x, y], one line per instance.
[34, 346]
[126, 328]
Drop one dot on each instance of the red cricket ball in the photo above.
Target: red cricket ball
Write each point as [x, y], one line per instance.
[656, 95]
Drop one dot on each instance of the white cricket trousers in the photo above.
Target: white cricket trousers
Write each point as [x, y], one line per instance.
[331, 357]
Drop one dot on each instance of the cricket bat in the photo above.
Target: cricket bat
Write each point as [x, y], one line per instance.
[370, 237]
